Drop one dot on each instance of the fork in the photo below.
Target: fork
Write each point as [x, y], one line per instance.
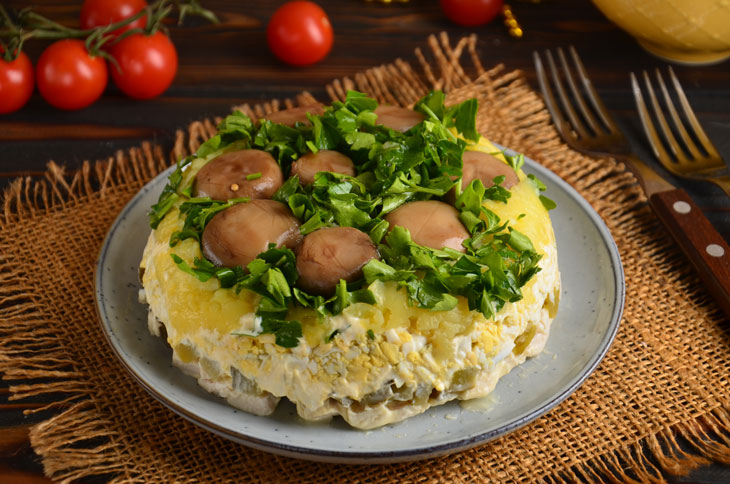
[591, 130]
[698, 166]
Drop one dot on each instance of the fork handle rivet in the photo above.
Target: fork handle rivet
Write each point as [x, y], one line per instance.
[715, 250]
[681, 207]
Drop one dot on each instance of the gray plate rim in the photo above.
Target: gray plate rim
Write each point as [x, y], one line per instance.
[416, 452]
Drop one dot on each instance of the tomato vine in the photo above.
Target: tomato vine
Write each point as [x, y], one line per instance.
[71, 72]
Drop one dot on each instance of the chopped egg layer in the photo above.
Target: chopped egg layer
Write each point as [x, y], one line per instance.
[387, 362]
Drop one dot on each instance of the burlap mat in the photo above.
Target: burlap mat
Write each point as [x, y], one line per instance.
[665, 378]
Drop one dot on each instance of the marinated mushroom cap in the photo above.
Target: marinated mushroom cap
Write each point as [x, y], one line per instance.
[236, 235]
[324, 160]
[431, 223]
[485, 167]
[397, 118]
[292, 116]
[244, 173]
[330, 254]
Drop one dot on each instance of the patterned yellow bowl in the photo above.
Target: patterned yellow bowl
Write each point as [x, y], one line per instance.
[683, 31]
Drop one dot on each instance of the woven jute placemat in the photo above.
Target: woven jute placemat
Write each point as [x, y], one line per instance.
[665, 379]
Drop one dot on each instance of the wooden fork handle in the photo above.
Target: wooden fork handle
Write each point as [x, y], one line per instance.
[698, 239]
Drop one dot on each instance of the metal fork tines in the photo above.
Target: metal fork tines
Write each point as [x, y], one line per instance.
[586, 126]
[695, 156]
[575, 120]
[583, 120]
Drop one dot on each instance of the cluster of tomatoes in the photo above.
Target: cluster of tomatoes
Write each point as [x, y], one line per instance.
[69, 77]
[143, 65]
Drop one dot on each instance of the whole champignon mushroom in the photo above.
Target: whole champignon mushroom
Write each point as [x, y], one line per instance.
[238, 234]
[431, 223]
[324, 160]
[485, 167]
[290, 117]
[330, 254]
[226, 176]
[397, 118]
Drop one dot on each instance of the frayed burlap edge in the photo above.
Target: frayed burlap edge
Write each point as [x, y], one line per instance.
[77, 442]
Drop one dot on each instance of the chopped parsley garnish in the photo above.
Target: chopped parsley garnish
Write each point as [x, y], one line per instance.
[287, 333]
[393, 168]
[331, 336]
[169, 195]
[546, 202]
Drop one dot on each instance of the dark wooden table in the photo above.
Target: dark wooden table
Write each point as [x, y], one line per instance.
[230, 64]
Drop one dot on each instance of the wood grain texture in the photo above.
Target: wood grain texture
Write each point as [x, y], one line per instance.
[20, 131]
[13, 439]
[698, 239]
[229, 64]
[18, 463]
[10, 475]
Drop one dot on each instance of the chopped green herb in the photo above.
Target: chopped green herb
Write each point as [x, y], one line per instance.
[331, 336]
[287, 332]
[393, 168]
[201, 274]
[203, 269]
[515, 161]
[520, 241]
[169, 196]
[546, 202]
[536, 182]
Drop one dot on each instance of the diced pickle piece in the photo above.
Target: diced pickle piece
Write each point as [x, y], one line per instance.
[243, 384]
[524, 340]
[423, 391]
[403, 393]
[463, 379]
[378, 396]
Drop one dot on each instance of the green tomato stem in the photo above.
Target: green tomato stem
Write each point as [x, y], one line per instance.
[30, 25]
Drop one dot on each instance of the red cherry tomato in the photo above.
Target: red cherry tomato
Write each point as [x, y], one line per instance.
[300, 33]
[471, 12]
[97, 13]
[147, 64]
[68, 77]
[16, 83]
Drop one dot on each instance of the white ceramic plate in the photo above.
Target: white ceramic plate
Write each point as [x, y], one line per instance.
[590, 310]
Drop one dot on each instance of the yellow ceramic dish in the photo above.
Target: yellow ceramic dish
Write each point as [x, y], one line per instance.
[682, 31]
